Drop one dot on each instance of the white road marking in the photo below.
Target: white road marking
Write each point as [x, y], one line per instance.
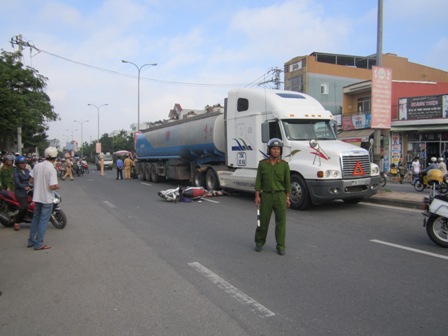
[109, 204]
[208, 200]
[410, 249]
[147, 184]
[391, 207]
[256, 307]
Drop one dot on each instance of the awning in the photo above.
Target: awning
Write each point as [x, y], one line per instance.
[419, 128]
[362, 134]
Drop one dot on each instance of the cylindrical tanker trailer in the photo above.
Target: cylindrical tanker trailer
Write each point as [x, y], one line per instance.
[176, 149]
[222, 149]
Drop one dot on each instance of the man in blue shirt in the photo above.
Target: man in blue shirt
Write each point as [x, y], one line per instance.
[119, 164]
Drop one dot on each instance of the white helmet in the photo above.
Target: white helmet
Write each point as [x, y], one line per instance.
[440, 159]
[433, 159]
[51, 153]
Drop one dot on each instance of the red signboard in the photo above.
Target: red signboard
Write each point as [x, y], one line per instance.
[381, 97]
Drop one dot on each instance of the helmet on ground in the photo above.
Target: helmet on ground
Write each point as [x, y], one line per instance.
[20, 159]
[440, 159]
[275, 142]
[51, 153]
[433, 159]
[10, 157]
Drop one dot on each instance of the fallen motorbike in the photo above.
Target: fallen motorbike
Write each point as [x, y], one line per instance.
[178, 194]
[9, 208]
[436, 212]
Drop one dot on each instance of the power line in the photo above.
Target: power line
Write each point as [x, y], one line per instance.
[17, 41]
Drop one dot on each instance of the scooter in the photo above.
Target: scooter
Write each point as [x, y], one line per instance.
[421, 182]
[9, 208]
[436, 215]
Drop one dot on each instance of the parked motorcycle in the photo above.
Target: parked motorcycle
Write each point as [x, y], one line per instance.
[383, 179]
[9, 208]
[436, 212]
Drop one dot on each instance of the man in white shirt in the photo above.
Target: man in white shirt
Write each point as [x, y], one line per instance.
[442, 166]
[45, 180]
[415, 169]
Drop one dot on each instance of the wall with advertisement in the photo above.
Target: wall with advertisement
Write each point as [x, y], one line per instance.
[395, 148]
[425, 107]
[358, 121]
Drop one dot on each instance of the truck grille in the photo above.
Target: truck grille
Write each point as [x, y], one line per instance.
[355, 166]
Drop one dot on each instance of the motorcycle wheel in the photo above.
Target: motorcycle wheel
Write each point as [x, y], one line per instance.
[442, 188]
[437, 230]
[383, 180]
[419, 186]
[58, 219]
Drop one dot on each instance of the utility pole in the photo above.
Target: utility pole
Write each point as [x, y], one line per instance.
[275, 78]
[19, 129]
[379, 61]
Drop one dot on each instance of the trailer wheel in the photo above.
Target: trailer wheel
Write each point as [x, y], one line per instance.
[198, 178]
[211, 180]
[148, 172]
[141, 172]
[154, 176]
[300, 198]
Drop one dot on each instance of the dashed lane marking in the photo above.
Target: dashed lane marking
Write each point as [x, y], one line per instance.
[147, 184]
[256, 307]
[410, 249]
[208, 200]
[109, 204]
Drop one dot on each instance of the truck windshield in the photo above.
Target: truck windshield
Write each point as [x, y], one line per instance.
[309, 129]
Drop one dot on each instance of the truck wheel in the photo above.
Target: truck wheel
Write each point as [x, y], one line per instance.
[148, 172]
[198, 178]
[211, 180]
[141, 172]
[154, 175]
[300, 198]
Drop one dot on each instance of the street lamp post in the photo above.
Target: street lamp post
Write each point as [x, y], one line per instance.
[98, 110]
[138, 88]
[72, 131]
[82, 144]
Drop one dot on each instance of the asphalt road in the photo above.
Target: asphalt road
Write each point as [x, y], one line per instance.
[129, 263]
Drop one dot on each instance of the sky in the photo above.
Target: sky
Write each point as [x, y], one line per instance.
[203, 48]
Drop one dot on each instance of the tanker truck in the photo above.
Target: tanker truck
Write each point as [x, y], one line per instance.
[221, 149]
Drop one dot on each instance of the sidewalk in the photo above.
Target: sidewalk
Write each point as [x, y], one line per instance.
[396, 198]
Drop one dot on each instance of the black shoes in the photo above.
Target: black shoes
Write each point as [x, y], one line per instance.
[281, 252]
[258, 248]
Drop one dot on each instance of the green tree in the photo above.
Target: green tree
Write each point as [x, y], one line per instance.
[23, 103]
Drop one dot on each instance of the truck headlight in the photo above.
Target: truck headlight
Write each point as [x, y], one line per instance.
[374, 170]
[332, 173]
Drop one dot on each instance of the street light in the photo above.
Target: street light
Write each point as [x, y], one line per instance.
[82, 144]
[98, 110]
[138, 88]
[72, 131]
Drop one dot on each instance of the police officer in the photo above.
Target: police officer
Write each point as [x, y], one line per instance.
[272, 190]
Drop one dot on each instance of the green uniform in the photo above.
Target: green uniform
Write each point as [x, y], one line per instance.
[6, 177]
[274, 182]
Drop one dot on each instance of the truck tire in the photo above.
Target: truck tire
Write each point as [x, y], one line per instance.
[141, 171]
[211, 180]
[148, 172]
[154, 176]
[198, 178]
[300, 198]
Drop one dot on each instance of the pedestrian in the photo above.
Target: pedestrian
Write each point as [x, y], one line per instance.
[416, 169]
[401, 170]
[45, 180]
[69, 170]
[21, 187]
[102, 165]
[6, 174]
[127, 168]
[119, 165]
[442, 166]
[272, 190]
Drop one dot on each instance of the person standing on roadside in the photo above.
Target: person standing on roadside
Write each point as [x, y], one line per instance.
[6, 174]
[416, 169]
[69, 170]
[272, 190]
[127, 168]
[45, 180]
[119, 165]
[22, 186]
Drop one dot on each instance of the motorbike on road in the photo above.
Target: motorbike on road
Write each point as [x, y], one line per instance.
[421, 182]
[436, 212]
[9, 208]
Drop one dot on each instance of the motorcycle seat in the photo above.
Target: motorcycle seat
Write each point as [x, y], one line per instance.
[8, 194]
